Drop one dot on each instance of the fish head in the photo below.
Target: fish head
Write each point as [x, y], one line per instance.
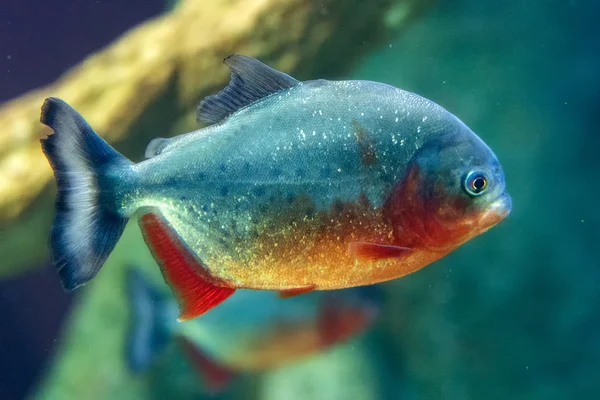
[453, 190]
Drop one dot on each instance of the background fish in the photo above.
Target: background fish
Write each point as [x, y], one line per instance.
[253, 331]
[295, 187]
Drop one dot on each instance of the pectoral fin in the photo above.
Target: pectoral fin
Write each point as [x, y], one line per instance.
[373, 251]
[195, 289]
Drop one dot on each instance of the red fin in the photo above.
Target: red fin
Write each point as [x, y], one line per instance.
[374, 251]
[196, 291]
[287, 293]
[214, 375]
[338, 322]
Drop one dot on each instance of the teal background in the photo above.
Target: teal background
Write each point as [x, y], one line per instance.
[514, 313]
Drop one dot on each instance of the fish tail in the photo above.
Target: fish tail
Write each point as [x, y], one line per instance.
[87, 224]
[149, 330]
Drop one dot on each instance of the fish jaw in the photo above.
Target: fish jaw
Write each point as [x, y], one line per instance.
[497, 211]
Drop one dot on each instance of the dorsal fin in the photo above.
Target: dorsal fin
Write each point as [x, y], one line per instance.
[155, 147]
[251, 80]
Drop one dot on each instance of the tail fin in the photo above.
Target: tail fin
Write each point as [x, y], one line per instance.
[85, 229]
[148, 330]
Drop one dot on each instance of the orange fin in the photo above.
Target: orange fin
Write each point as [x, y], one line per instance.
[196, 291]
[373, 251]
[287, 293]
[214, 375]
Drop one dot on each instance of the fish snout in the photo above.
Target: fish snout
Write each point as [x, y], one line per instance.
[497, 211]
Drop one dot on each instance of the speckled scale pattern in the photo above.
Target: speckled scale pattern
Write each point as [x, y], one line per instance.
[270, 197]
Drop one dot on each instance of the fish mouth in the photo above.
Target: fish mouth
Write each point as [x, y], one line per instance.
[498, 210]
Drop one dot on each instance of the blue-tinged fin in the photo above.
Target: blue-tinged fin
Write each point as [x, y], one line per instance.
[251, 81]
[85, 229]
[148, 330]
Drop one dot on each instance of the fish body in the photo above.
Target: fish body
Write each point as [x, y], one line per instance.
[274, 195]
[296, 186]
[252, 331]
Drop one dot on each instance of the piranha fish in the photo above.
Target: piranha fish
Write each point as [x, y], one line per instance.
[253, 331]
[295, 186]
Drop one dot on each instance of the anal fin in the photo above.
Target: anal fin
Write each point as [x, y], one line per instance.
[287, 293]
[339, 321]
[214, 375]
[195, 289]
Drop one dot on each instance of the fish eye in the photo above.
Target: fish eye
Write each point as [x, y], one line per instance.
[476, 183]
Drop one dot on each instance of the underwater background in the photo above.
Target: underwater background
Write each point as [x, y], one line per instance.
[514, 313]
